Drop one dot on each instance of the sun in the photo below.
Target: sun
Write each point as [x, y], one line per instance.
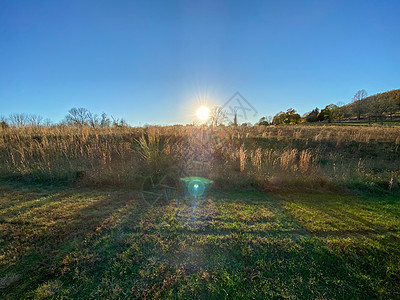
[203, 113]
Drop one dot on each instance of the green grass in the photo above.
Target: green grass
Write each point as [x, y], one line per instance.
[365, 123]
[59, 242]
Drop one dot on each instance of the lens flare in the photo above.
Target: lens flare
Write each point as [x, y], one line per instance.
[196, 186]
[203, 113]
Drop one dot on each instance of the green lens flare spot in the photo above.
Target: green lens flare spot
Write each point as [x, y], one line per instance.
[196, 186]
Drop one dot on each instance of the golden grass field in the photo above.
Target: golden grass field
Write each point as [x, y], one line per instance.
[295, 212]
[266, 157]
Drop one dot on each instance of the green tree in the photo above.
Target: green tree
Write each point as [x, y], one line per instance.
[292, 116]
[288, 117]
[312, 116]
[279, 118]
[329, 112]
[263, 122]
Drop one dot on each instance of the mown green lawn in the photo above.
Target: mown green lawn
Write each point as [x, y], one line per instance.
[60, 242]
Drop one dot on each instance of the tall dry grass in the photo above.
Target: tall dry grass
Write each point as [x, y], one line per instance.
[269, 157]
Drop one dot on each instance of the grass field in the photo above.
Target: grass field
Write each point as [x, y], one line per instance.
[293, 212]
[66, 242]
[266, 157]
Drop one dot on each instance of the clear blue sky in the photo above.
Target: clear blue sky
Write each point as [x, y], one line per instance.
[155, 61]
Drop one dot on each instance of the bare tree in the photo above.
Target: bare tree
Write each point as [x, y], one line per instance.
[92, 119]
[105, 121]
[116, 122]
[358, 102]
[217, 116]
[18, 120]
[47, 122]
[377, 107]
[392, 106]
[77, 116]
[35, 120]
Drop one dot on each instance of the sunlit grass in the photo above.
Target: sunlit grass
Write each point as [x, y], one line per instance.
[80, 243]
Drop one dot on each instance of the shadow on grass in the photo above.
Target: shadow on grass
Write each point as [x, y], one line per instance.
[119, 247]
[42, 232]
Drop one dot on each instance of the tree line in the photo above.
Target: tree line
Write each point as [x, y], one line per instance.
[377, 108]
[77, 117]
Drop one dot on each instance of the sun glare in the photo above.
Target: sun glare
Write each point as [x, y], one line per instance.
[203, 113]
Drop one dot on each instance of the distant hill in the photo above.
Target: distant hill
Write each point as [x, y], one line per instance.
[379, 107]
